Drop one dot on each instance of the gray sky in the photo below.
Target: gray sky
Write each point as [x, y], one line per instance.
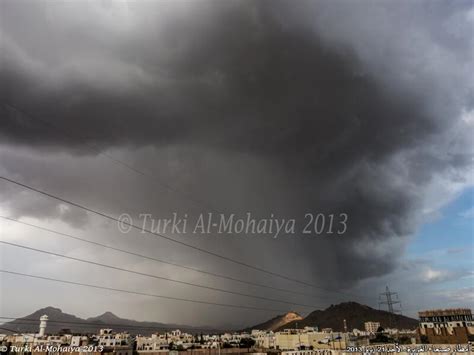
[362, 107]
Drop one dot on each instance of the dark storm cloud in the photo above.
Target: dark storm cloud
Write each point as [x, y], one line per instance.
[255, 83]
[237, 78]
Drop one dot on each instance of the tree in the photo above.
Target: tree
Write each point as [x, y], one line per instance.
[404, 340]
[381, 337]
[246, 343]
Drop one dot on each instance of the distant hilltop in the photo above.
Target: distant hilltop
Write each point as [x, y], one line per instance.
[277, 322]
[354, 313]
[58, 320]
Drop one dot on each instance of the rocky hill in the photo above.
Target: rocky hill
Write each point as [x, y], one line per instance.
[355, 315]
[277, 322]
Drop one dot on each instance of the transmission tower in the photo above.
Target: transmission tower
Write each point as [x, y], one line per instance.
[390, 299]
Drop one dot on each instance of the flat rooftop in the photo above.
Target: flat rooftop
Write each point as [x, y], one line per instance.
[445, 312]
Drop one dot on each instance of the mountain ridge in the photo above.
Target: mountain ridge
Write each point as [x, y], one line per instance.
[59, 321]
[355, 314]
[333, 317]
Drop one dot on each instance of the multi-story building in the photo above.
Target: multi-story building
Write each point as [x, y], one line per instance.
[371, 327]
[107, 338]
[446, 326]
[263, 339]
[156, 342]
[234, 338]
[79, 340]
[117, 343]
[446, 318]
[295, 339]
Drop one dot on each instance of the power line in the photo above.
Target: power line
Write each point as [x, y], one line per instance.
[61, 234]
[170, 188]
[140, 293]
[131, 225]
[98, 151]
[154, 276]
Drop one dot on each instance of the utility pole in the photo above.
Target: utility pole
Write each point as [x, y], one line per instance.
[390, 299]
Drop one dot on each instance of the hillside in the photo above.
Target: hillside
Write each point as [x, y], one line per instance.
[355, 315]
[59, 320]
[277, 322]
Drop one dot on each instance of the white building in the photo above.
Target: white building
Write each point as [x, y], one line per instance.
[264, 339]
[371, 327]
[42, 327]
[108, 338]
[156, 342]
[79, 340]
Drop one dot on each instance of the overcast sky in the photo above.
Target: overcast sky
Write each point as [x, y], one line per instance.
[364, 108]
